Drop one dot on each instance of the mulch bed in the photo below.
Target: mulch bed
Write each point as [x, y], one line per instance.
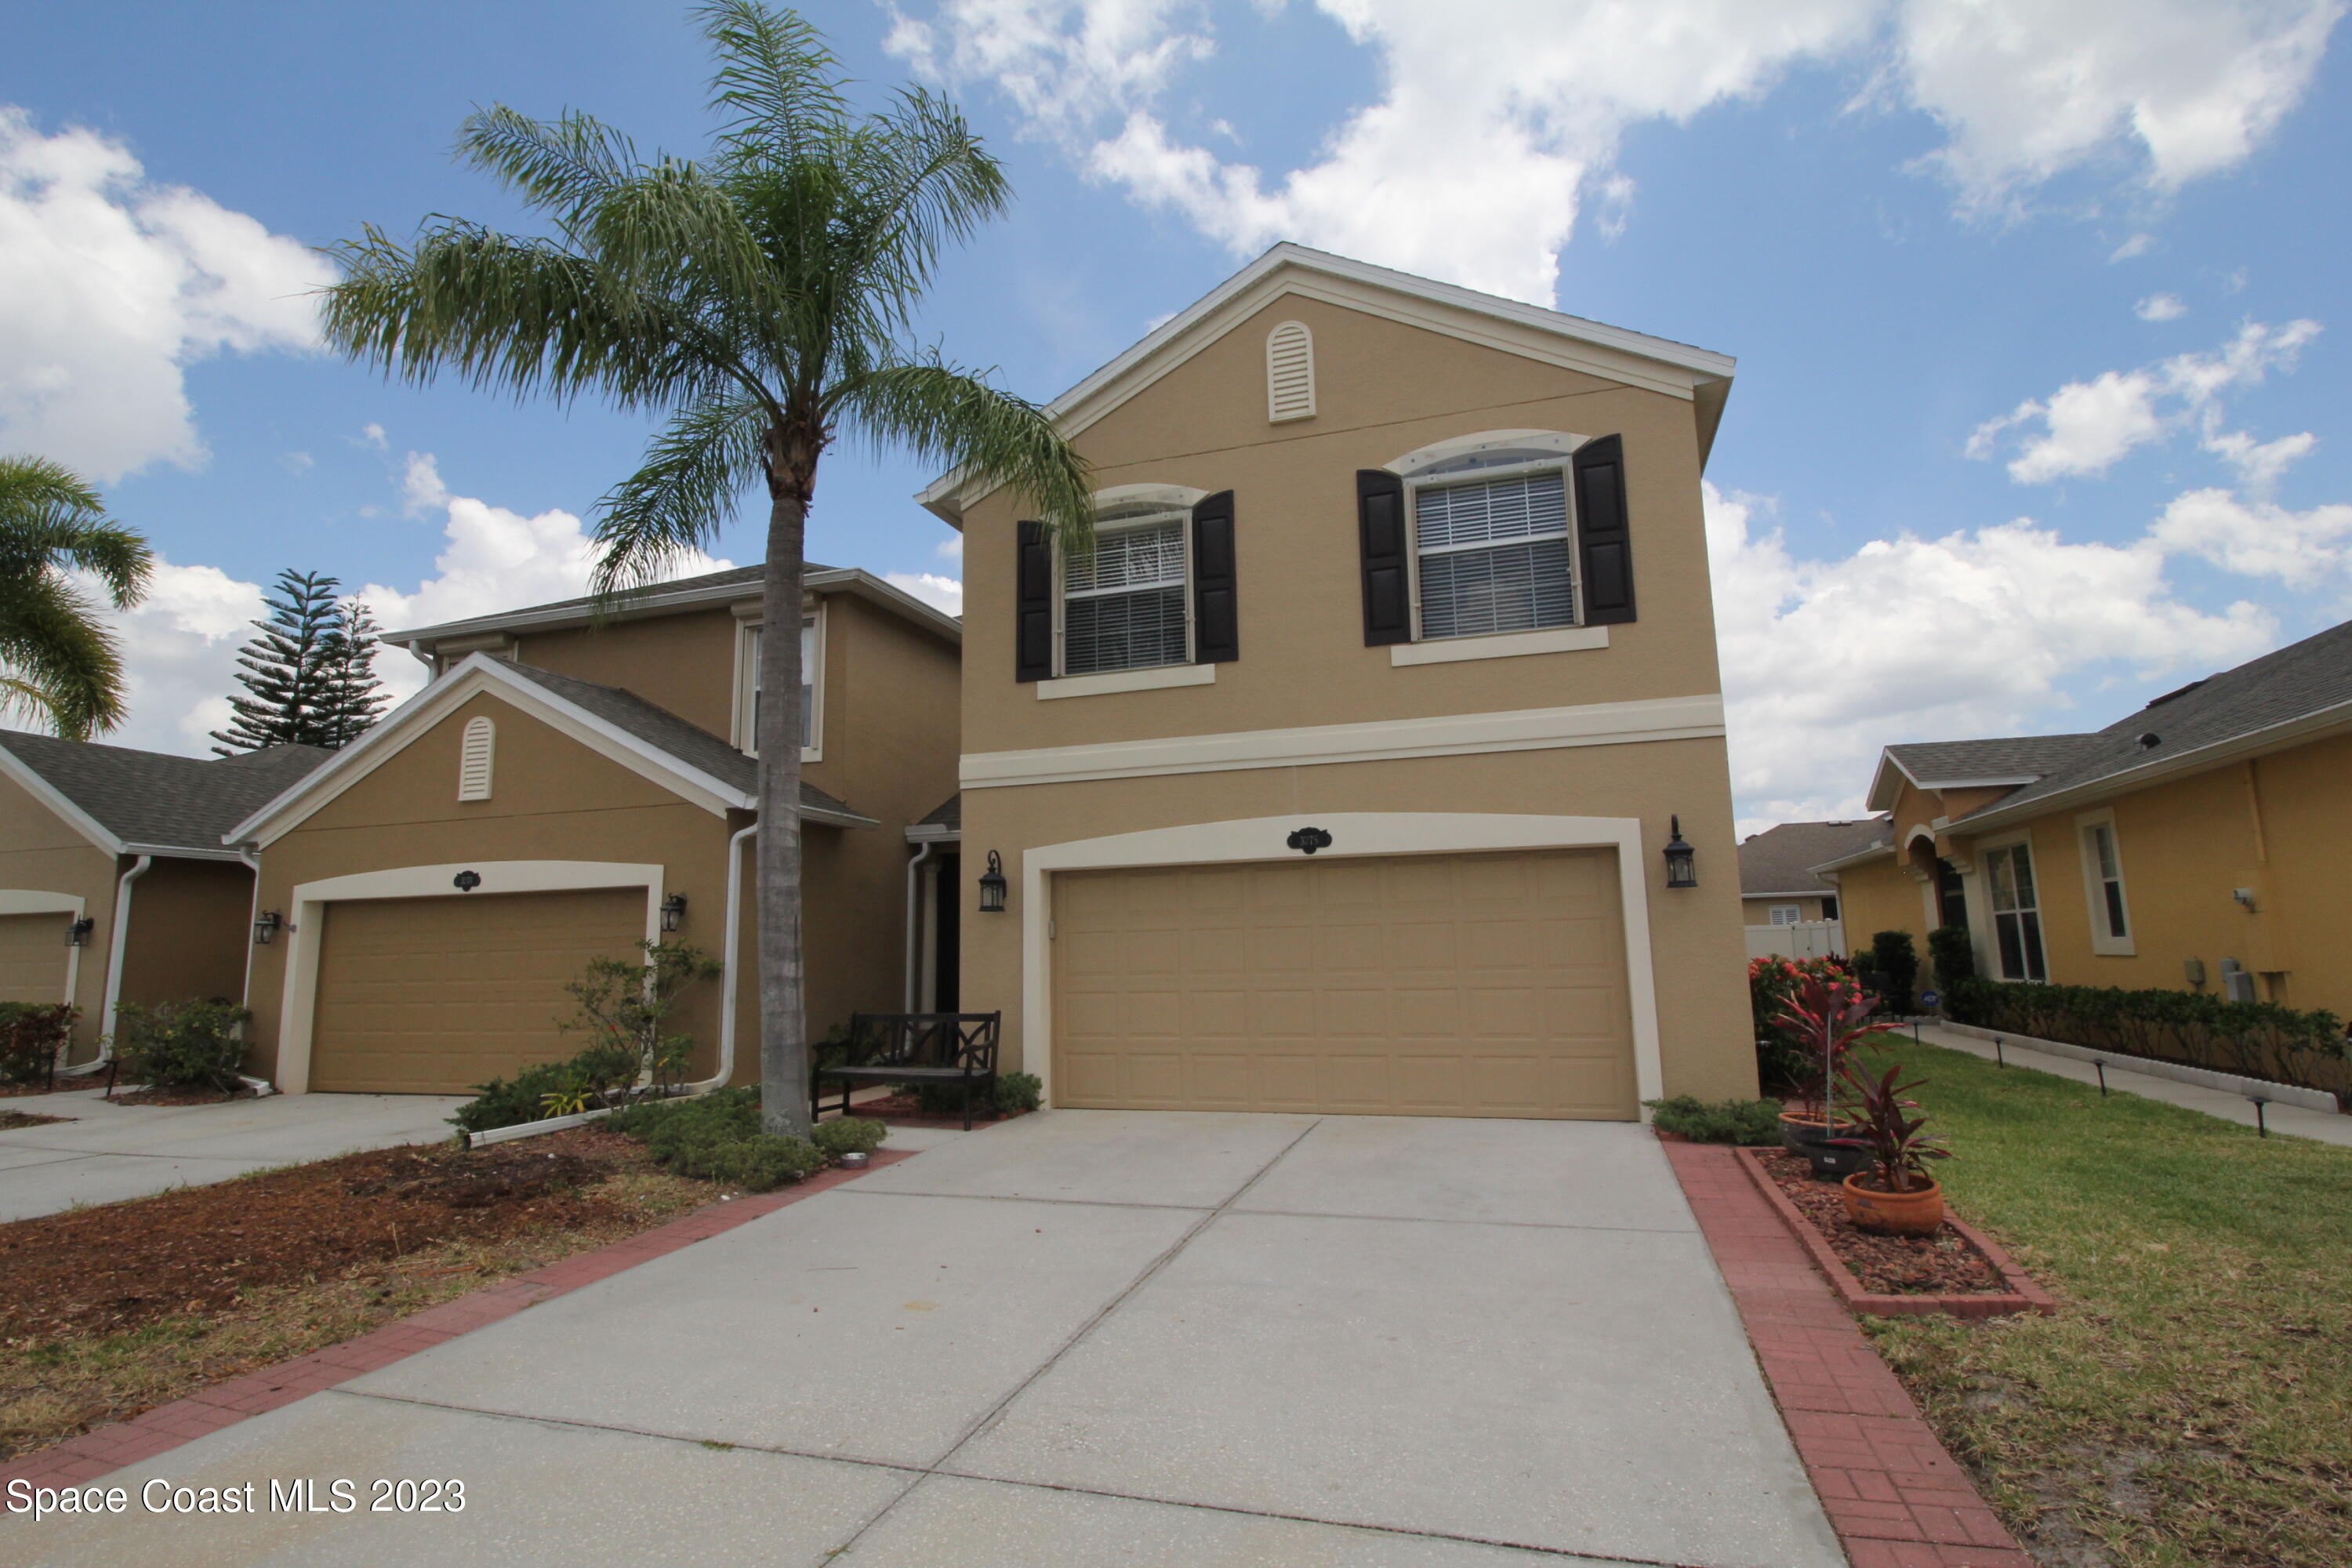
[12, 1119]
[102, 1270]
[1943, 1264]
[153, 1096]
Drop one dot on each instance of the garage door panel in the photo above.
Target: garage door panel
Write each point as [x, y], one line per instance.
[1487, 984]
[437, 995]
[33, 958]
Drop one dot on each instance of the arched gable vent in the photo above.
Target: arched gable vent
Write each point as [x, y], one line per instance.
[474, 760]
[1289, 373]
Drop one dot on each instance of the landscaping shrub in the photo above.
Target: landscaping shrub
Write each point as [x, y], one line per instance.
[717, 1137]
[2256, 1039]
[1782, 1061]
[500, 1103]
[1015, 1092]
[182, 1045]
[1953, 954]
[624, 1008]
[1896, 962]
[848, 1135]
[31, 1036]
[1750, 1121]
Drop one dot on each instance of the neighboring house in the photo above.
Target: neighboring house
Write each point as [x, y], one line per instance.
[114, 884]
[1338, 779]
[569, 786]
[1792, 912]
[2200, 843]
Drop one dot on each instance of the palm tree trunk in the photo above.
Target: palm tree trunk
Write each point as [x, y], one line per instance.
[784, 1012]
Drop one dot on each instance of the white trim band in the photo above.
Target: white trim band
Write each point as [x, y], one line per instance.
[1159, 678]
[1448, 735]
[1505, 645]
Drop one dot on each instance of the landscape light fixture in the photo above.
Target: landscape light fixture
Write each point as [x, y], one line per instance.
[78, 933]
[265, 928]
[991, 886]
[673, 912]
[1682, 871]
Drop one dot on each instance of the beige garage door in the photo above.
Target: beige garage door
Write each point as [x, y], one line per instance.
[436, 995]
[33, 955]
[1423, 985]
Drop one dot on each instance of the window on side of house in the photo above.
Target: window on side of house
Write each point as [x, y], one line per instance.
[812, 690]
[2110, 919]
[1492, 547]
[1130, 605]
[1787, 914]
[2016, 912]
[1829, 907]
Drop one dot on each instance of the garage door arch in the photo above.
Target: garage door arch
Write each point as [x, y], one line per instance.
[1353, 833]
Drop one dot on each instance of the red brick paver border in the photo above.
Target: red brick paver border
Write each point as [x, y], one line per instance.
[107, 1449]
[1895, 1498]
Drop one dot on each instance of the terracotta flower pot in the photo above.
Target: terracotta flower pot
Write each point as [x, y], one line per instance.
[1915, 1213]
[1799, 1133]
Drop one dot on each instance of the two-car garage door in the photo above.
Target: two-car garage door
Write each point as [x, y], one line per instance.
[1422, 985]
[436, 995]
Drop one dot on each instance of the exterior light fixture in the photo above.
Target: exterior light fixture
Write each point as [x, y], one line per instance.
[991, 886]
[265, 928]
[673, 912]
[465, 881]
[78, 933]
[1681, 868]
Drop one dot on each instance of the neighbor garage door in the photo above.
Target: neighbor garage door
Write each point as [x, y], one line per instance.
[1425, 986]
[434, 995]
[33, 955]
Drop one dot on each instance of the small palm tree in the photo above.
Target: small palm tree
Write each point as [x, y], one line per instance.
[762, 299]
[57, 660]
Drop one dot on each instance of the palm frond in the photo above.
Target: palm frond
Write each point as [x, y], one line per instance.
[776, 81]
[676, 501]
[51, 518]
[52, 642]
[562, 166]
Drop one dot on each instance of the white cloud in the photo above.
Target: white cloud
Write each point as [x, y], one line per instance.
[1498, 118]
[2137, 244]
[950, 548]
[112, 286]
[946, 593]
[2088, 425]
[2255, 538]
[2160, 308]
[1971, 634]
[179, 646]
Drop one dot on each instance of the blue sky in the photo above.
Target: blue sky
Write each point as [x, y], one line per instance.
[2038, 303]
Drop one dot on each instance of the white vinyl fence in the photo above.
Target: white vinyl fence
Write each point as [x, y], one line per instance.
[1806, 939]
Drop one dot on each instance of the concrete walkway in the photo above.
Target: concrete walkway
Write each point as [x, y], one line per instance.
[1085, 1338]
[109, 1152]
[2292, 1120]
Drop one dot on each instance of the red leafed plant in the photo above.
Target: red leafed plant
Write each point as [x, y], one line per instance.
[1830, 1017]
[1897, 1140]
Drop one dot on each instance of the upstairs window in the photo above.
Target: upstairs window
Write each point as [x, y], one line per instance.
[1129, 607]
[747, 680]
[1491, 553]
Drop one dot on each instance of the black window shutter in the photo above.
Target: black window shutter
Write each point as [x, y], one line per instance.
[1380, 531]
[1604, 546]
[1033, 654]
[1216, 635]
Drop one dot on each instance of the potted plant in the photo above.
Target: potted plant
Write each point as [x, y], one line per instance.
[1895, 1195]
[1829, 1017]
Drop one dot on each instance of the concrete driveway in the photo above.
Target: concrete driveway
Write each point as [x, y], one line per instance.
[1087, 1338]
[109, 1152]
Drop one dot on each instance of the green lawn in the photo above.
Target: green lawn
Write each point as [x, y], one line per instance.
[2191, 1403]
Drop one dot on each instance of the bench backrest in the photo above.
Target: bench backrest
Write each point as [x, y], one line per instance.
[963, 1040]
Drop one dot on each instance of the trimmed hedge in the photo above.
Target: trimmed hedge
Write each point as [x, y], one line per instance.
[1015, 1092]
[183, 1045]
[1744, 1121]
[2254, 1039]
[717, 1137]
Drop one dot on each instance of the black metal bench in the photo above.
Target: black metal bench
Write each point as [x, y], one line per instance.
[916, 1048]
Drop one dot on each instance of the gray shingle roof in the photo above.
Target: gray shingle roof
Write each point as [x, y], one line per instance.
[664, 730]
[2299, 680]
[155, 798]
[1780, 859]
[949, 814]
[733, 575]
[2009, 757]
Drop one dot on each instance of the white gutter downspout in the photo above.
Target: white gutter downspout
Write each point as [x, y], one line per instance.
[727, 983]
[914, 921]
[245, 998]
[118, 944]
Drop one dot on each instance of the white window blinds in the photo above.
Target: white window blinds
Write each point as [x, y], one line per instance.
[1493, 555]
[1125, 609]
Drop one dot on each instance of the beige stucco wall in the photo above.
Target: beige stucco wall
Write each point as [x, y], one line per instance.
[41, 853]
[189, 930]
[1699, 956]
[684, 662]
[2275, 825]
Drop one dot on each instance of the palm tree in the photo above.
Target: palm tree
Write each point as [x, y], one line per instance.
[762, 299]
[57, 658]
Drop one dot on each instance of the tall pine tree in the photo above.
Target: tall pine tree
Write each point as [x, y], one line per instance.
[308, 675]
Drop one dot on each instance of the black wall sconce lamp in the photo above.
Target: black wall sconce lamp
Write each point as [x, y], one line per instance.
[465, 881]
[78, 933]
[991, 886]
[673, 912]
[1682, 871]
[266, 927]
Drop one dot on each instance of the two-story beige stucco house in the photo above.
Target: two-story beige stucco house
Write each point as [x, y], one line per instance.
[1340, 778]
[569, 785]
